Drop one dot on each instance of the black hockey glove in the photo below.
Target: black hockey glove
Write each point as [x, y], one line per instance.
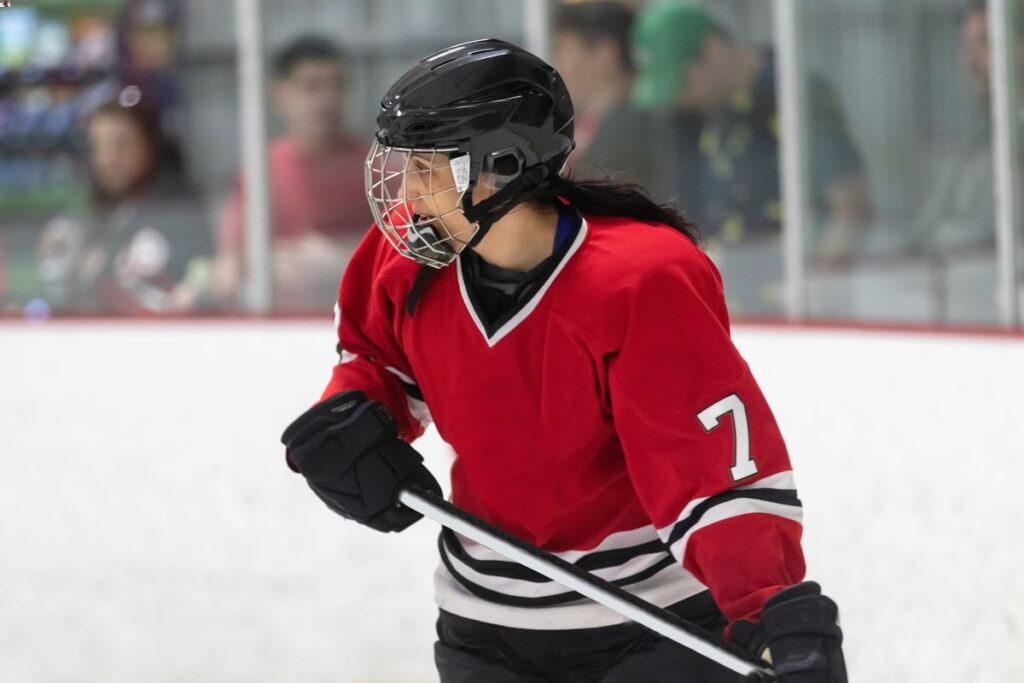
[348, 450]
[800, 629]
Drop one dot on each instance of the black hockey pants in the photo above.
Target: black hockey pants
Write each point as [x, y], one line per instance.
[471, 651]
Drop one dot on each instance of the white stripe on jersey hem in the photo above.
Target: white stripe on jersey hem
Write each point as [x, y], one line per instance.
[615, 541]
[736, 508]
[525, 311]
[530, 589]
[663, 589]
[782, 480]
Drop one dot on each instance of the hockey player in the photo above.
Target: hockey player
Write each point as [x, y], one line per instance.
[570, 340]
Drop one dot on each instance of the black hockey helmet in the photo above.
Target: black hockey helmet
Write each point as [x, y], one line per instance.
[490, 107]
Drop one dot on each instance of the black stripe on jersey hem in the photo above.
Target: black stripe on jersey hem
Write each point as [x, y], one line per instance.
[780, 496]
[546, 600]
[602, 559]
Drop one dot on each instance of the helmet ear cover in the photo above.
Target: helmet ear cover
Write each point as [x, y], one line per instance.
[504, 166]
[507, 172]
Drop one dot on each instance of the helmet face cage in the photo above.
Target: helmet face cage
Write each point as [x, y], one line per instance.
[428, 240]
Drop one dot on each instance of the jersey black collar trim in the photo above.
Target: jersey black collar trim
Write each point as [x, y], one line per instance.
[492, 334]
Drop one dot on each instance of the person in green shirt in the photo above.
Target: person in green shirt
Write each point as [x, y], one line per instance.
[687, 61]
[593, 52]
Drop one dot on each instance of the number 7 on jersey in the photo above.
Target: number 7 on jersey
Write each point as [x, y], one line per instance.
[743, 463]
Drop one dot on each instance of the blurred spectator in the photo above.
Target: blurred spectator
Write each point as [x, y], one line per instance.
[147, 37]
[593, 52]
[593, 55]
[959, 212]
[142, 246]
[687, 61]
[318, 205]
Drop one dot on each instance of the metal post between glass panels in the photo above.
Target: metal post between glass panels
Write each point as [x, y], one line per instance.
[253, 131]
[537, 27]
[1002, 43]
[792, 155]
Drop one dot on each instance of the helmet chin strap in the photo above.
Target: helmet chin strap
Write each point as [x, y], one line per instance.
[485, 214]
[489, 211]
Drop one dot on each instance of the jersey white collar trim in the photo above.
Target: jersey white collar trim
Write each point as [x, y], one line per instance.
[531, 304]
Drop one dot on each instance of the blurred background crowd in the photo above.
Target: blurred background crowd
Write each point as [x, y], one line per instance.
[122, 190]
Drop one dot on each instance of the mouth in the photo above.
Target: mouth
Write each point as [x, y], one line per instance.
[420, 211]
[423, 219]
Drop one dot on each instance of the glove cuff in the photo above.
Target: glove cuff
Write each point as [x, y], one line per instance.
[332, 409]
[800, 610]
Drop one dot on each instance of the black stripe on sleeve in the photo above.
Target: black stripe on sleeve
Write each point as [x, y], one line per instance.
[780, 496]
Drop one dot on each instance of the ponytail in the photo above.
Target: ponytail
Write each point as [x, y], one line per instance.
[609, 197]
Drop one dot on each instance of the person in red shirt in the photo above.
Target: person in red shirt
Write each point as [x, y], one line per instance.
[318, 208]
[570, 341]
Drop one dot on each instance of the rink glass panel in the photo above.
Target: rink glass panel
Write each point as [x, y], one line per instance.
[909, 80]
[748, 254]
[60, 60]
[380, 40]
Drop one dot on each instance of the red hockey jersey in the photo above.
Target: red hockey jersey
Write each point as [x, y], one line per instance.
[610, 420]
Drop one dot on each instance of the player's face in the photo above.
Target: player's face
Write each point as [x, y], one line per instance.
[429, 188]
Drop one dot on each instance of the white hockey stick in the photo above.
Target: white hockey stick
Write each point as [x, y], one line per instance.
[585, 583]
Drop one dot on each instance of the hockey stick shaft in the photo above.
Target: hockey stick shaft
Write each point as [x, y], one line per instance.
[615, 598]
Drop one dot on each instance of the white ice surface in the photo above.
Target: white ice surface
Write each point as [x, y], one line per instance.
[149, 530]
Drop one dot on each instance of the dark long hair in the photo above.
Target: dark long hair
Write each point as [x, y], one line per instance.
[612, 197]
